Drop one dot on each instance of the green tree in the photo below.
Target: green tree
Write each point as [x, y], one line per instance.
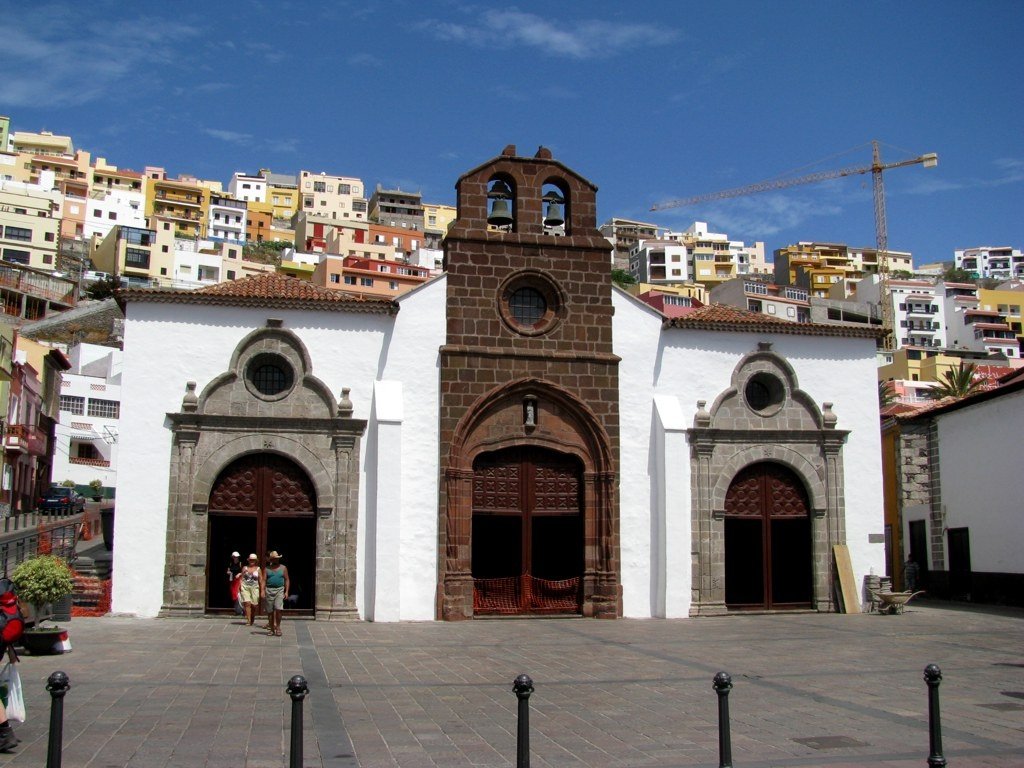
[957, 382]
[103, 289]
[958, 275]
[265, 252]
[622, 278]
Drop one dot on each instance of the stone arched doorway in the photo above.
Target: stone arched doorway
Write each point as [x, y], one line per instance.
[262, 502]
[768, 543]
[527, 538]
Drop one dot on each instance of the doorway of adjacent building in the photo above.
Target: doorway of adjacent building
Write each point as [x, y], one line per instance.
[262, 502]
[768, 563]
[527, 545]
[959, 540]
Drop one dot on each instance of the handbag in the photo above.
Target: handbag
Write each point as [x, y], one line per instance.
[10, 690]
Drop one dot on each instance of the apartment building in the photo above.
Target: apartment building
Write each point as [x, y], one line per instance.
[395, 208]
[322, 234]
[660, 262]
[377, 277]
[436, 220]
[227, 218]
[400, 243]
[185, 203]
[818, 267]
[86, 434]
[781, 302]
[116, 196]
[1006, 299]
[696, 292]
[248, 187]
[41, 143]
[747, 259]
[624, 234]
[669, 304]
[5, 132]
[30, 223]
[336, 197]
[134, 252]
[1000, 263]
[282, 194]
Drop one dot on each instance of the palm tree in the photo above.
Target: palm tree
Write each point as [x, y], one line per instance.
[958, 382]
[886, 396]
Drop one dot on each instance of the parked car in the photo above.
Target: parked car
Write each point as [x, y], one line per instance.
[61, 499]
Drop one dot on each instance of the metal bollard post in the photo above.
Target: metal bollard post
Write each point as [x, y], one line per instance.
[723, 684]
[933, 676]
[297, 689]
[58, 685]
[523, 686]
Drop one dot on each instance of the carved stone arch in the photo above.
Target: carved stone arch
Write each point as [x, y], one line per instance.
[764, 416]
[805, 469]
[560, 422]
[288, 447]
[238, 414]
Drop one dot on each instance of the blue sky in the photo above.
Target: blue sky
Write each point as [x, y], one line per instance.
[649, 100]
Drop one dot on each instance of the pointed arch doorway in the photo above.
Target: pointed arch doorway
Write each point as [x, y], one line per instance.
[768, 553]
[527, 538]
[260, 502]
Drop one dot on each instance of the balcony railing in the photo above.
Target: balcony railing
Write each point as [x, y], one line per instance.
[89, 462]
[25, 439]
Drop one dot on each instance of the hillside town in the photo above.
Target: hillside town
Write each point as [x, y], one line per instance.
[904, 366]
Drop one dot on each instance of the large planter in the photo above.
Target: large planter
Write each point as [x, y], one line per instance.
[45, 641]
[107, 520]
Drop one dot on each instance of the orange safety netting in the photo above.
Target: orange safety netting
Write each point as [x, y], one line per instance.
[525, 594]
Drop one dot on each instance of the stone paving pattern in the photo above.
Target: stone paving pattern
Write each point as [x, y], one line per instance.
[809, 690]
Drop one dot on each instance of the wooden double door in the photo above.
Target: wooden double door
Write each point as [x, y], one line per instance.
[262, 502]
[527, 545]
[768, 552]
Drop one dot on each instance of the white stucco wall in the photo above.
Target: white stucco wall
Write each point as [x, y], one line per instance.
[979, 463]
[169, 344]
[662, 376]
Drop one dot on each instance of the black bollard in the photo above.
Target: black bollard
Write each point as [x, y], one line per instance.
[523, 686]
[58, 685]
[933, 676]
[723, 684]
[297, 689]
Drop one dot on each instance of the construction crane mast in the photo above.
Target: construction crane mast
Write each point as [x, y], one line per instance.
[876, 169]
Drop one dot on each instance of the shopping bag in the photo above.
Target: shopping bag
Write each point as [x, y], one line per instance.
[14, 700]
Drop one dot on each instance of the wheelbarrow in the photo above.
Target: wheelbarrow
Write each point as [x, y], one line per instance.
[894, 602]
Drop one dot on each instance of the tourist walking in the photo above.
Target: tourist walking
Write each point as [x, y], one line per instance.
[235, 582]
[251, 588]
[274, 586]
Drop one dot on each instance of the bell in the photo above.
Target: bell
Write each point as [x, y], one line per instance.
[499, 191]
[556, 215]
[501, 214]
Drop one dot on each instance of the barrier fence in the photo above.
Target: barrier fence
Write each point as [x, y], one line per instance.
[297, 689]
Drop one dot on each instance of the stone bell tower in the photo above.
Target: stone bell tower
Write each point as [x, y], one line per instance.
[529, 415]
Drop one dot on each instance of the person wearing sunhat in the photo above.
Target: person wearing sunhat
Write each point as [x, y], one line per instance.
[235, 582]
[252, 583]
[274, 586]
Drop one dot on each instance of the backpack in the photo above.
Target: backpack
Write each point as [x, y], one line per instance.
[12, 622]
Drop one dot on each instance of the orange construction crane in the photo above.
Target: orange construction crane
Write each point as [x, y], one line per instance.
[929, 160]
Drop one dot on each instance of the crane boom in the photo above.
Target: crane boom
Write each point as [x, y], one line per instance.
[876, 168]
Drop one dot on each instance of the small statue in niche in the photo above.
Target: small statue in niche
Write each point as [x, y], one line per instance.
[530, 412]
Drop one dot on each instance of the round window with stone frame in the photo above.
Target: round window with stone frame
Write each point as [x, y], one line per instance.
[269, 376]
[764, 394]
[530, 303]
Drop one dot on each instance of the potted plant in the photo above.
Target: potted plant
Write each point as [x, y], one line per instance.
[69, 483]
[97, 489]
[41, 581]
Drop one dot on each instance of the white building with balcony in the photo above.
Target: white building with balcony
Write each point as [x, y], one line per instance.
[105, 209]
[226, 219]
[244, 186]
[1000, 263]
[85, 439]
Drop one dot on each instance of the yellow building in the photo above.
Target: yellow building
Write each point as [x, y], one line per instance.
[186, 203]
[436, 220]
[1007, 300]
[29, 224]
[282, 193]
[42, 143]
[690, 290]
[126, 251]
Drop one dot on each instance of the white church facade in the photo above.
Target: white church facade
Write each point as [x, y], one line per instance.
[516, 436]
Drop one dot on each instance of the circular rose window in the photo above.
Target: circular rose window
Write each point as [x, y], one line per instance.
[270, 376]
[530, 303]
[764, 393]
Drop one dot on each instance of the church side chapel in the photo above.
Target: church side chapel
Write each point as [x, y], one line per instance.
[515, 437]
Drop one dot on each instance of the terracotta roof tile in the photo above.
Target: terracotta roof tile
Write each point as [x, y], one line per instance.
[267, 289]
[720, 317]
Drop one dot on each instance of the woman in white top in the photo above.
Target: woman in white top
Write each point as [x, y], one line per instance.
[250, 591]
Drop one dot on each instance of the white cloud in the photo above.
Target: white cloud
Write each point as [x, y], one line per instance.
[579, 40]
[233, 137]
[58, 57]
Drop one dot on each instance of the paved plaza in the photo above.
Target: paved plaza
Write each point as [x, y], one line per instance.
[809, 690]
